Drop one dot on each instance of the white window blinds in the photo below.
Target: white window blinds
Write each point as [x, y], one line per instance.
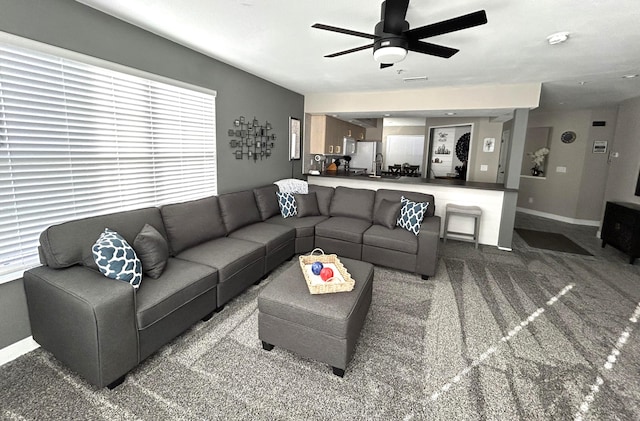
[78, 140]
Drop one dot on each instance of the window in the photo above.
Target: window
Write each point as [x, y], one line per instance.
[78, 140]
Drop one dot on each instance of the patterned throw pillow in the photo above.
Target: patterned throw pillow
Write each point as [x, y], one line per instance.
[287, 204]
[116, 259]
[411, 215]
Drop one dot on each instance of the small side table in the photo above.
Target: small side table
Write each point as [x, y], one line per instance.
[472, 211]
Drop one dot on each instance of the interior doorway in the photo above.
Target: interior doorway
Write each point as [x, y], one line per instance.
[504, 149]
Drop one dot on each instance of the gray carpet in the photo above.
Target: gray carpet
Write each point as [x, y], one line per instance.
[526, 335]
[550, 241]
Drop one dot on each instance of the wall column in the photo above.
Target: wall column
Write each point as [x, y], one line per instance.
[512, 177]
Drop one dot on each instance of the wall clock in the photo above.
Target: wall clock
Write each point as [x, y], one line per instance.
[568, 137]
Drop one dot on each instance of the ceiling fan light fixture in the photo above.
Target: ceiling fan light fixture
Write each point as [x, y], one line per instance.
[389, 55]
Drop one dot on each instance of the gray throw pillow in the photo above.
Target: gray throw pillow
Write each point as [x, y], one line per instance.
[152, 250]
[386, 213]
[307, 204]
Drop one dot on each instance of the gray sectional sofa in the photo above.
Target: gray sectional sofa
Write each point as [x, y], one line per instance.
[217, 247]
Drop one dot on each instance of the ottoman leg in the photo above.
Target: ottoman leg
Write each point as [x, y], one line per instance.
[338, 371]
[266, 346]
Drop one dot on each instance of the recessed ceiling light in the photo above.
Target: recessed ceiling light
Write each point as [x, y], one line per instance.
[414, 79]
[557, 38]
[582, 82]
[631, 76]
[449, 113]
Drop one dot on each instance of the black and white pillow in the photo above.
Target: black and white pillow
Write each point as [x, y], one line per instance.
[287, 203]
[116, 259]
[411, 215]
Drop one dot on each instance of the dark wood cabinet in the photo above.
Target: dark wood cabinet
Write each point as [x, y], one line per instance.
[621, 228]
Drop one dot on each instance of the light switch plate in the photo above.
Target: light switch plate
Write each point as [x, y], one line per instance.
[484, 167]
[561, 169]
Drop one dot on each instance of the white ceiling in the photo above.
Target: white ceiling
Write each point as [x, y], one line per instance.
[274, 40]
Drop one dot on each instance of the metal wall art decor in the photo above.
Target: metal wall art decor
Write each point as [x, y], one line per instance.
[251, 139]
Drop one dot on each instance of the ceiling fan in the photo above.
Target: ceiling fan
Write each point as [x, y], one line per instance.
[393, 38]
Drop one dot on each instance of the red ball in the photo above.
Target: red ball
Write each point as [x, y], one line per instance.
[326, 274]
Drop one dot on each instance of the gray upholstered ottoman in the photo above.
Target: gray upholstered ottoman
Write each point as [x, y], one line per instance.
[324, 327]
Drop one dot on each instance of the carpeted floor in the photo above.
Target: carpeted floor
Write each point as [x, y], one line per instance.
[550, 241]
[523, 335]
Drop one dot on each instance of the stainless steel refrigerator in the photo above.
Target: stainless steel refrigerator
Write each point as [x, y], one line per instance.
[368, 155]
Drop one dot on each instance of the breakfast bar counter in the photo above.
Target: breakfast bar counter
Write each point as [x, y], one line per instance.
[488, 196]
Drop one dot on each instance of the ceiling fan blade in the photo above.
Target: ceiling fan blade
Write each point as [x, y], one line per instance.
[342, 31]
[353, 50]
[431, 49]
[394, 13]
[385, 65]
[446, 26]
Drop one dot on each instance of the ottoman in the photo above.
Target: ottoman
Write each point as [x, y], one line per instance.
[323, 327]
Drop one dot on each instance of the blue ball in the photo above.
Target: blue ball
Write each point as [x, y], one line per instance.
[316, 267]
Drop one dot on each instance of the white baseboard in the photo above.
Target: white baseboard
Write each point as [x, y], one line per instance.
[17, 349]
[560, 218]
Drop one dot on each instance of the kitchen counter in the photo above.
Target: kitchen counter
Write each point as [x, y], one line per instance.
[447, 182]
[490, 197]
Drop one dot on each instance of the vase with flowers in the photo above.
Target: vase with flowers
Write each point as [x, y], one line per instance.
[537, 158]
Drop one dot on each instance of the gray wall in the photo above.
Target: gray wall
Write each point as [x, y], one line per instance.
[596, 166]
[623, 170]
[73, 26]
[14, 317]
[578, 193]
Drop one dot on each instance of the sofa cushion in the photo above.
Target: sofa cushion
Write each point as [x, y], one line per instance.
[324, 195]
[305, 227]
[386, 213]
[343, 228]
[238, 209]
[192, 223]
[153, 251]
[353, 203]
[287, 204]
[267, 201]
[70, 243]
[178, 285]
[116, 259]
[396, 195]
[392, 239]
[411, 215]
[306, 205]
[228, 255]
[271, 235]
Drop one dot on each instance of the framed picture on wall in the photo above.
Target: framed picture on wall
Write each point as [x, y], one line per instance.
[489, 144]
[294, 138]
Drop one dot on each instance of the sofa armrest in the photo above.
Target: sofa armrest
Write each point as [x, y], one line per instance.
[428, 240]
[85, 319]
